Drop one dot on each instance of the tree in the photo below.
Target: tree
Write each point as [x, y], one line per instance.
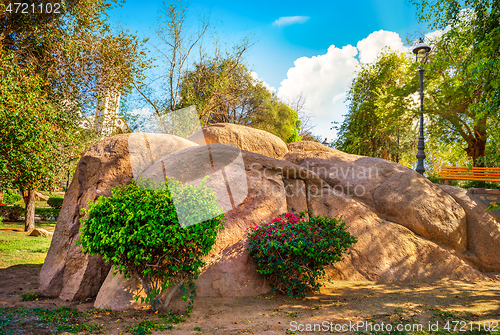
[470, 43]
[32, 132]
[175, 49]
[453, 95]
[73, 50]
[77, 63]
[370, 129]
[275, 116]
[223, 90]
[451, 98]
[298, 104]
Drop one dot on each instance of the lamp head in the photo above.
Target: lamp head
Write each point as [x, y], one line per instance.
[421, 50]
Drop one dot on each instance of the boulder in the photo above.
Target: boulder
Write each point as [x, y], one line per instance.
[387, 188]
[243, 137]
[117, 293]
[386, 250]
[68, 273]
[483, 230]
[407, 228]
[40, 232]
[230, 271]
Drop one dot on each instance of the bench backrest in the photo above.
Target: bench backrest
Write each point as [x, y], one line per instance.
[466, 173]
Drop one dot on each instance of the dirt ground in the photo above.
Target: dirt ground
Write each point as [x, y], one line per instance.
[337, 304]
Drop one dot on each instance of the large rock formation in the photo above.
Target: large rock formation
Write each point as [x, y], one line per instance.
[407, 227]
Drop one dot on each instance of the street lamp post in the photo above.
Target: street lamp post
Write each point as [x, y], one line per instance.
[421, 50]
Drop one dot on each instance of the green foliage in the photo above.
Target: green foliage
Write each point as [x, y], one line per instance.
[62, 319]
[165, 322]
[34, 129]
[29, 148]
[10, 197]
[55, 202]
[223, 90]
[370, 129]
[494, 206]
[466, 71]
[292, 251]
[480, 184]
[73, 51]
[461, 101]
[137, 229]
[436, 180]
[492, 157]
[47, 213]
[54, 68]
[274, 116]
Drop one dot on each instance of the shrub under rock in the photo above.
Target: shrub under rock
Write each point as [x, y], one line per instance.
[292, 251]
[137, 230]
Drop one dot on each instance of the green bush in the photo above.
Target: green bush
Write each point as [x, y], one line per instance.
[47, 213]
[1, 221]
[55, 202]
[494, 206]
[138, 231]
[10, 197]
[292, 251]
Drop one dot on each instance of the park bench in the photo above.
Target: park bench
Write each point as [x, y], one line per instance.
[491, 174]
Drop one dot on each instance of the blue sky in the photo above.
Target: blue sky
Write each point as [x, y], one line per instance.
[313, 49]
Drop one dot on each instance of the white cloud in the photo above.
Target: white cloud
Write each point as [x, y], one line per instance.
[324, 79]
[375, 42]
[266, 85]
[434, 35]
[289, 20]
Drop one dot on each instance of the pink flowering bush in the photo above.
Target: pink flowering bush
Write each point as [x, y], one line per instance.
[292, 251]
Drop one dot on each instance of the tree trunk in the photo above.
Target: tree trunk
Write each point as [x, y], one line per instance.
[29, 210]
[476, 143]
[171, 293]
[480, 136]
[476, 150]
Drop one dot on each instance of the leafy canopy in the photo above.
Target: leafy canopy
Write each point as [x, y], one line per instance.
[371, 130]
[472, 37]
[33, 129]
[223, 90]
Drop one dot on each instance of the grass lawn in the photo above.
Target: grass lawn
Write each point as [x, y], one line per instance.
[16, 247]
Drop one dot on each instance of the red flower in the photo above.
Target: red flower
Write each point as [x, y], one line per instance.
[2, 204]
